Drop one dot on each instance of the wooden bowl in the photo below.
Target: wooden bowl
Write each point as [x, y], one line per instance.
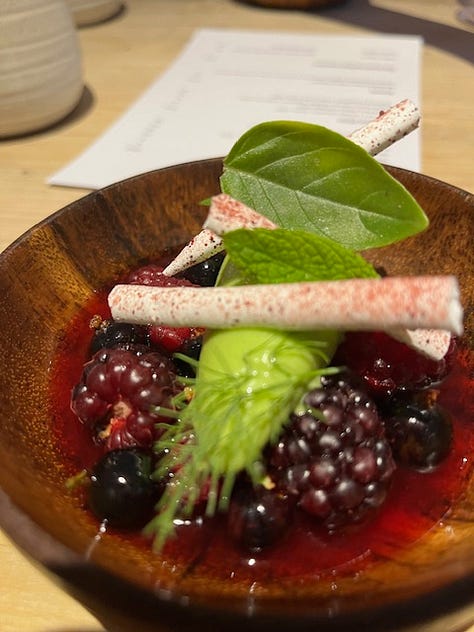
[46, 276]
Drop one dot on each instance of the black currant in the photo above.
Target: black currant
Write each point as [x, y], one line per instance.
[110, 334]
[190, 348]
[258, 517]
[121, 489]
[420, 432]
[205, 273]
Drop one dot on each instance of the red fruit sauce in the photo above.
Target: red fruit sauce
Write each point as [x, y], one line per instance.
[416, 502]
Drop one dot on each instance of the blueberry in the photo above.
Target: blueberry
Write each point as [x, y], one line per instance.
[121, 489]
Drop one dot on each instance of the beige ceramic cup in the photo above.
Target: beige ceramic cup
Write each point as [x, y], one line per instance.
[293, 4]
[40, 65]
[87, 12]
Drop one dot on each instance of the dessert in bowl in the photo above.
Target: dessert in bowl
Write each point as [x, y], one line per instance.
[410, 567]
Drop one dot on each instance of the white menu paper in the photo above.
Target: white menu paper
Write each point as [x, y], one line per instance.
[225, 81]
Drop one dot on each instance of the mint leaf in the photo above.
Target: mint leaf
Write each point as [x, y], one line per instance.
[307, 177]
[291, 256]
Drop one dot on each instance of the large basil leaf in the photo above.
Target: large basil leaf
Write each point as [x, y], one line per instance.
[304, 176]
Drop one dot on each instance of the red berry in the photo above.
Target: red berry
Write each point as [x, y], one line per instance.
[386, 365]
[152, 274]
[168, 338]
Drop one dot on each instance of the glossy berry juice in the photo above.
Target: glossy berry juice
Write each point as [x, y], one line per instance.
[416, 503]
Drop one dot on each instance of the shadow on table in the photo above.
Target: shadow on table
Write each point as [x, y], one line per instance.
[361, 13]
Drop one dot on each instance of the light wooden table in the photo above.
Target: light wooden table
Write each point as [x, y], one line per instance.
[121, 58]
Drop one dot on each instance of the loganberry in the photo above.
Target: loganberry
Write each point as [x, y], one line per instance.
[387, 366]
[152, 274]
[117, 393]
[170, 339]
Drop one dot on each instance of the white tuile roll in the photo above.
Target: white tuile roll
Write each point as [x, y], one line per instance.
[428, 302]
[389, 127]
[204, 245]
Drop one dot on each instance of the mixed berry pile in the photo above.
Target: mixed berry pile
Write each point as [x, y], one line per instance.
[334, 461]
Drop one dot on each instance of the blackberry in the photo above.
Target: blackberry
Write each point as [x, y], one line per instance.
[387, 366]
[419, 430]
[121, 489]
[334, 459]
[117, 393]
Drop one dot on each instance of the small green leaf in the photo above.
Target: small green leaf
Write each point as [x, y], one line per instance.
[291, 256]
[307, 177]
